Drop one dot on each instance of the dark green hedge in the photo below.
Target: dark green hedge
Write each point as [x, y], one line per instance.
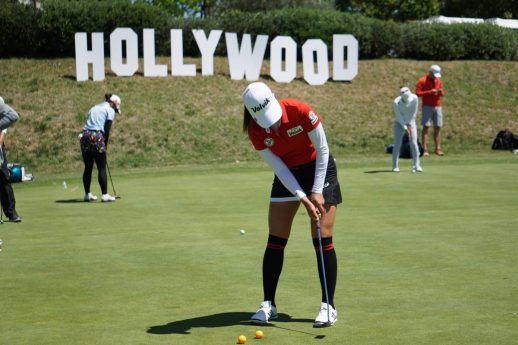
[50, 32]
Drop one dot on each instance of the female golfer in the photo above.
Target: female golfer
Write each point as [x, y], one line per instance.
[289, 136]
[94, 141]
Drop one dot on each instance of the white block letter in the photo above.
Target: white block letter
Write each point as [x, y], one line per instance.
[117, 64]
[320, 76]
[85, 56]
[339, 71]
[177, 65]
[207, 48]
[151, 69]
[246, 61]
[278, 45]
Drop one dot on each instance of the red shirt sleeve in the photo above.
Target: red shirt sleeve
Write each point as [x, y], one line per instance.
[420, 90]
[439, 86]
[308, 118]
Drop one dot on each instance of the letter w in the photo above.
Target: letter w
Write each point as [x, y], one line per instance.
[247, 61]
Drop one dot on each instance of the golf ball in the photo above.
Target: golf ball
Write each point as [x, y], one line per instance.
[258, 334]
[241, 339]
[242, 231]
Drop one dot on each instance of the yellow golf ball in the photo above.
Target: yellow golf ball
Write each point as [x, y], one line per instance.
[258, 334]
[241, 339]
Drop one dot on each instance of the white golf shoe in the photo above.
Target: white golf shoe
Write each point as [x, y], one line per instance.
[266, 312]
[322, 317]
[417, 169]
[396, 170]
[107, 198]
[90, 197]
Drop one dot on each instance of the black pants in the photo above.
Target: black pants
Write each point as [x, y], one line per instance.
[100, 160]
[6, 190]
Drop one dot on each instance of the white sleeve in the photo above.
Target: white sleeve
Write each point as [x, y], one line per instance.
[319, 140]
[283, 173]
[399, 116]
[414, 106]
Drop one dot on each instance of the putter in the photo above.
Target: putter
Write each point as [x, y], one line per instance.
[111, 180]
[1, 216]
[328, 323]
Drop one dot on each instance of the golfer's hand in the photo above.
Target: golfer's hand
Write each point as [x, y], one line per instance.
[409, 131]
[318, 200]
[312, 211]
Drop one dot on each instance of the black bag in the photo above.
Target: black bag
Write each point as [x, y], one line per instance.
[405, 152]
[505, 140]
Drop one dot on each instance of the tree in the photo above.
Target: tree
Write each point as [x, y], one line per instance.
[399, 10]
[481, 8]
[266, 5]
[180, 8]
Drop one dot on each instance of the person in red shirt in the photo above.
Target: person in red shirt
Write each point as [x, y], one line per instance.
[290, 137]
[430, 89]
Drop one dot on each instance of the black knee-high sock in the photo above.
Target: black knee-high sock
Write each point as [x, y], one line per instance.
[331, 266]
[272, 266]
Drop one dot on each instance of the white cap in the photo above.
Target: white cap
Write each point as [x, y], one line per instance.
[261, 104]
[116, 100]
[436, 70]
[2, 100]
[405, 93]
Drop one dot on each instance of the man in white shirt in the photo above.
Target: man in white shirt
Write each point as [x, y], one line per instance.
[405, 110]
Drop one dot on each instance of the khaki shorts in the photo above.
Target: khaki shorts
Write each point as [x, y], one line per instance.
[431, 116]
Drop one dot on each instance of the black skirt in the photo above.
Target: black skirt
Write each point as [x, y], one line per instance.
[305, 175]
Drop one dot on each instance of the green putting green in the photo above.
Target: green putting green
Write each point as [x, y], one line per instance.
[427, 258]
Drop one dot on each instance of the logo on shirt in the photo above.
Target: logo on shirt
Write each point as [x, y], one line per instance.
[269, 142]
[294, 131]
[313, 117]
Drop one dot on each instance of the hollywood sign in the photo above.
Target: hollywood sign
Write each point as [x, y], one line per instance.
[245, 60]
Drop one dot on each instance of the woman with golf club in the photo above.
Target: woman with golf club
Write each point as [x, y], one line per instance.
[94, 142]
[290, 137]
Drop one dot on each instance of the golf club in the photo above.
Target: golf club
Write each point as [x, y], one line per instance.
[113, 187]
[317, 336]
[328, 323]
[1, 216]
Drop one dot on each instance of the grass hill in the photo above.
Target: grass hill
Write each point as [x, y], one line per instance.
[184, 120]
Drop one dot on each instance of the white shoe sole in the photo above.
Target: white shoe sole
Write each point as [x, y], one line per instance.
[261, 322]
[324, 324]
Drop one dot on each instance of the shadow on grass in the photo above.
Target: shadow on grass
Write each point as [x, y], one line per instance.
[70, 201]
[221, 320]
[377, 171]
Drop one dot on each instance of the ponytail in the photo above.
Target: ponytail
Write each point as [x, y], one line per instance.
[247, 119]
[107, 96]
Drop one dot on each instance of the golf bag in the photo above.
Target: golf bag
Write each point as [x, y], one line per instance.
[405, 152]
[505, 140]
[17, 173]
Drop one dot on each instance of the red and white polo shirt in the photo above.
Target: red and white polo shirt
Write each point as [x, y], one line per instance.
[291, 144]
